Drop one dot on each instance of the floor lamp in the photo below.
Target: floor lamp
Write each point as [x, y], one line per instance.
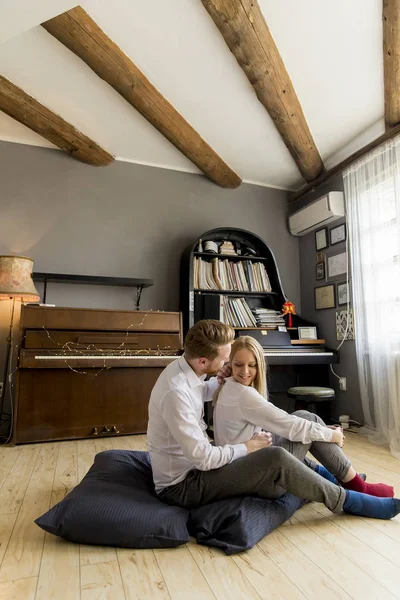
[16, 284]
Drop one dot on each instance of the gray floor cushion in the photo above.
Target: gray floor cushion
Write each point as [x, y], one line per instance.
[115, 504]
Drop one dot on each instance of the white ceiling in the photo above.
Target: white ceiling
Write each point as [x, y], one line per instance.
[332, 51]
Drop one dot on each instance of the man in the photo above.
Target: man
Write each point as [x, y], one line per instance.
[176, 435]
[189, 471]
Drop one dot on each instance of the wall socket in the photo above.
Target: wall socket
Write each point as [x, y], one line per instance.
[342, 383]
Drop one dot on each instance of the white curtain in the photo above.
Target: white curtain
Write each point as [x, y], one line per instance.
[372, 190]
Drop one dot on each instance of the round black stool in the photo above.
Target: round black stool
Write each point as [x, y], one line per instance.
[307, 397]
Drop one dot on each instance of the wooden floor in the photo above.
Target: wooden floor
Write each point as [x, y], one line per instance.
[315, 555]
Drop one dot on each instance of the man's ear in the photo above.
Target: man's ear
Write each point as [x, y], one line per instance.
[203, 361]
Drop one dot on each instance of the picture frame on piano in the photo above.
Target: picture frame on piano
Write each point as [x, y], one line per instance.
[324, 297]
[307, 333]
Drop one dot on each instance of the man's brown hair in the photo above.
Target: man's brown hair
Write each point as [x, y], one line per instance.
[205, 338]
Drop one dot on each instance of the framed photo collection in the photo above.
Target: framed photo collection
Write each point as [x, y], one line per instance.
[325, 237]
[331, 268]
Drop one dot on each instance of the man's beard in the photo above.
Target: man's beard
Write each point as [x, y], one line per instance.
[210, 372]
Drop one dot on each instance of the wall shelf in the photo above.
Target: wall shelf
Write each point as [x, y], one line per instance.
[229, 256]
[140, 284]
[234, 292]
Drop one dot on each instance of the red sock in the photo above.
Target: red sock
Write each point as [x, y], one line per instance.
[372, 489]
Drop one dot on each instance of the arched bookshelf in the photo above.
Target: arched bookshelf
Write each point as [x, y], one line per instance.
[245, 269]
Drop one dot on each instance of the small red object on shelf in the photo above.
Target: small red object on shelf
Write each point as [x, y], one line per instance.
[289, 309]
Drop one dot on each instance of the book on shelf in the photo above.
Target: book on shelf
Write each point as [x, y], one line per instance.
[266, 317]
[223, 274]
[233, 311]
[236, 312]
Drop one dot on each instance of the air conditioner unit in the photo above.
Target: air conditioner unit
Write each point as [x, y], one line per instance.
[326, 209]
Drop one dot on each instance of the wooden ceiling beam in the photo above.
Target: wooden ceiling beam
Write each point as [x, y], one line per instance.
[78, 32]
[391, 61]
[245, 31]
[313, 185]
[23, 108]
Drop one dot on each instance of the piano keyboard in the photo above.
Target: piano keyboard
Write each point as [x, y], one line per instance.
[281, 356]
[294, 353]
[103, 357]
[154, 357]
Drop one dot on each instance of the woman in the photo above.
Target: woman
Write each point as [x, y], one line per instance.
[241, 411]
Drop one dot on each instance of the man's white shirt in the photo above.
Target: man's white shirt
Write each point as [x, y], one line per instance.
[176, 434]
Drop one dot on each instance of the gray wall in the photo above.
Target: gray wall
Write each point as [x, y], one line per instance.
[349, 401]
[124, 220]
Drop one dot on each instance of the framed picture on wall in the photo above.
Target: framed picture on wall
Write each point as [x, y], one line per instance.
[342, 293]
[338, 234]
[320, 270]
[324, 297]
[321, 239]
[336, 265]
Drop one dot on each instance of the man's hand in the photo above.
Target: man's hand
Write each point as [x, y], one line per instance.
[337, 435]
[223, 373]
[258, 441]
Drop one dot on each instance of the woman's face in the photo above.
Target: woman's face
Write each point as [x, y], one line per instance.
[244, 367]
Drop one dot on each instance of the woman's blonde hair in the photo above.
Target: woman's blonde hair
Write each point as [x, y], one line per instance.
[249, 343]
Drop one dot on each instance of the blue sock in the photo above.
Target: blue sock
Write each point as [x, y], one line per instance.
[370, 506]
[326, 474]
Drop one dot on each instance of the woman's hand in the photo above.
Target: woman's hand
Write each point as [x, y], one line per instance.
[260, 440]
[224, 372]
[337, 435]
[263, 436]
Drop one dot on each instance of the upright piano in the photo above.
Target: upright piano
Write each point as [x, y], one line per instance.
[88, 372]
[282, 348]
[292, 362]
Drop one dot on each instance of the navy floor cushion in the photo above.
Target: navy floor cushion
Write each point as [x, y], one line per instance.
[115, 504]
[237, 524]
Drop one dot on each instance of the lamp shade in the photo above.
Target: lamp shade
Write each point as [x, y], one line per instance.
[16, 279]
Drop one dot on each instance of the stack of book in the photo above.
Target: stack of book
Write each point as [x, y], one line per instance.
[227, 248]
[242, 276]
[268, 318]
[236, 312]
